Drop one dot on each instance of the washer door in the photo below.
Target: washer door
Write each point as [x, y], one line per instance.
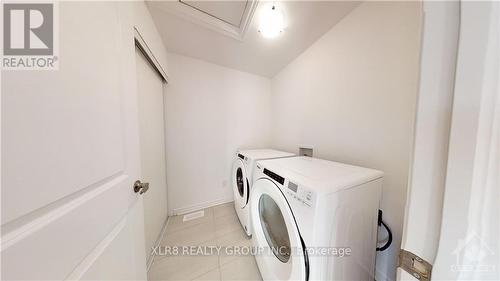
[240, 184]
[275, 231]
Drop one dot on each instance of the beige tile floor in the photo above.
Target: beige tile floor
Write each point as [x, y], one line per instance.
[219, 227]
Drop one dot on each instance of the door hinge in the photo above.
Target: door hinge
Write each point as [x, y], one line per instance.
[415, 265]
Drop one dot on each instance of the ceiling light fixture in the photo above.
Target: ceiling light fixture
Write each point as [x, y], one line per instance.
[271, 22]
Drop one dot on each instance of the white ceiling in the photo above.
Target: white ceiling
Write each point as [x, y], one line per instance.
[306, 22]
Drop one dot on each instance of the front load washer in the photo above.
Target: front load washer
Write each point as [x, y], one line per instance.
[314, 219]
[242, 172]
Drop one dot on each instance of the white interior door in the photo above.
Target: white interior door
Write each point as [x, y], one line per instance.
[469, 245]
[457, 232]
[69, 157]
[432, 128]
[152, 142]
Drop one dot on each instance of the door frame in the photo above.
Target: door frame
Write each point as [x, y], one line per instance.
[148, 53]
[143, 47]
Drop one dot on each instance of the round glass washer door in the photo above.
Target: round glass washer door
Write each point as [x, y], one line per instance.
[276, 234]
[240, 184]
[274, 228]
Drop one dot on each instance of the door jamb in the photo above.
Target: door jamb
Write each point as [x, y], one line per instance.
[144, 48]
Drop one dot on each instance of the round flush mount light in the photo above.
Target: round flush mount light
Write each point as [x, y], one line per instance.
[271, 22]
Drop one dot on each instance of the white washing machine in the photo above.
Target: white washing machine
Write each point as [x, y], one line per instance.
[242, 173]
[314, 219]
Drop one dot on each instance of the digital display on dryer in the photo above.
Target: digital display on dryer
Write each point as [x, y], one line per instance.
[293, 187]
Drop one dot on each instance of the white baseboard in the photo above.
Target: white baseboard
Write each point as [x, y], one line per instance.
[197, 207]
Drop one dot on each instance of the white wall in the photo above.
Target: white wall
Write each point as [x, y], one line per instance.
[211, 111]
[352, 96]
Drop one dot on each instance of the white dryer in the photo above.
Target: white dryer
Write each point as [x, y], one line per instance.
[314, 219]
[242, 173]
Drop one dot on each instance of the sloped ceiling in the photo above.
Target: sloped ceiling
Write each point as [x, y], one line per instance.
[232, 42]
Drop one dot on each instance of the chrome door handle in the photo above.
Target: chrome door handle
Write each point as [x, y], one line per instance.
[141, 187]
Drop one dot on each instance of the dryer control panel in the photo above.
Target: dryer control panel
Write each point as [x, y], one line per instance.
[274, 176]
[300, 193]
[292, 190]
